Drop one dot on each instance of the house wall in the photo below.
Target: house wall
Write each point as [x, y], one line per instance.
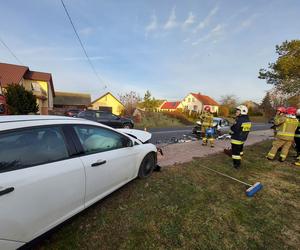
[109, 101]
[41, 90]
[191, 103]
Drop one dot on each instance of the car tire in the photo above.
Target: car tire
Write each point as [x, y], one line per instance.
[147, 166]
[127, 125]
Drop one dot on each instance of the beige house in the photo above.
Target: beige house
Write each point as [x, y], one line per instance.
[196, 102]
[108, 102]
[39, 83]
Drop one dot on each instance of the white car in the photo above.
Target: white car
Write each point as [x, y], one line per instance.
[53, 167]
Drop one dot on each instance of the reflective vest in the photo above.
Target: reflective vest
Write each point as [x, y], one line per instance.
[286, 128]
[207, 119]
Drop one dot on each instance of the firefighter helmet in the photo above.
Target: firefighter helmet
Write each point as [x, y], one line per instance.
[281, 109]
[243, 109]
[291, 111]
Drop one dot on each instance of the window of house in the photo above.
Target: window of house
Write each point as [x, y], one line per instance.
[25, 148]
[195, 107]
[97, 139]
[35, 86]
[189, 100]
[193, 99]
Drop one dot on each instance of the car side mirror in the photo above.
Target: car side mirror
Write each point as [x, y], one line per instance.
[130, 143]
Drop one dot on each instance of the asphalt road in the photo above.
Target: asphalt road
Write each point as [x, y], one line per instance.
[165, 135]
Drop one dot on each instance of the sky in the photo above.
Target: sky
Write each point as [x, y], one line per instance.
[168, 47]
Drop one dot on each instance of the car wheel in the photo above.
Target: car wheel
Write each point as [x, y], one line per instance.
[147, 166]
[127, 125]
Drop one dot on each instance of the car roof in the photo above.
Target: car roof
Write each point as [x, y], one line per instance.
[23, 121]
[19, 118]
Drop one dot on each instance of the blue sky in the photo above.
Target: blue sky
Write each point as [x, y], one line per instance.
[168, 47]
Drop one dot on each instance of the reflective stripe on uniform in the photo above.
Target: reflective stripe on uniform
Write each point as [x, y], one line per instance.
[297, 135]
[283, 156]
[285, 134]
[236, 157]
[297, 163]
[237, 142]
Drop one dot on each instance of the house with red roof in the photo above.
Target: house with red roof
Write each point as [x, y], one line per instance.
[196, 102]
[40, 83]
[171, 106]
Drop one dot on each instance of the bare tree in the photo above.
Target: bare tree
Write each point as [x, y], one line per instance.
[130, 101]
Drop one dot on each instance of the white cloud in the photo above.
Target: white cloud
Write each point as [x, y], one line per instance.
[214, 35]
[189, 21]
[204, 23]
[171, 23]
[152, 26]
[247, 23]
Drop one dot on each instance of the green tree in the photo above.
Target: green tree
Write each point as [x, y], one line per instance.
[284, 74]
[266, 106]
[20, 101]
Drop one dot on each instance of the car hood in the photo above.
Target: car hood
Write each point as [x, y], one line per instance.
[143, 136]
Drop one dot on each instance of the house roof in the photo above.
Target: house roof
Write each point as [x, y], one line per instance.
[108, 93]
[170, 105]
[67, 98]
[13, 74]
[206, 100]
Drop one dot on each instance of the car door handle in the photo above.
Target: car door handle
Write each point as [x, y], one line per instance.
[98, 163]
[6, 191]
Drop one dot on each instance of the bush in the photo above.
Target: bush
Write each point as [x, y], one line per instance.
[224, 111]
[179, 116]
[20, 101]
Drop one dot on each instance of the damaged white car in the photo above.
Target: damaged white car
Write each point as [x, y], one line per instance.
[53, 167]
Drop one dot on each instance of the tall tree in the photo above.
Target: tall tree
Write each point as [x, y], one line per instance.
[284, 74]
[229, 100]
[266, 106]
[20, 101]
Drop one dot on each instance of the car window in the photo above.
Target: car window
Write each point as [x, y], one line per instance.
[104, 115]
[97, 139]
[25, 148]
[87, 115]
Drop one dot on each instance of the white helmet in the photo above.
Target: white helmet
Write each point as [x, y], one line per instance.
[243, 109]
[298, 112]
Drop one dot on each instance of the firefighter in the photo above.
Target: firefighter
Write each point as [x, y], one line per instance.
[280, 111]
[206, 119]
[240, 130]
[297, 138]
[286, 127]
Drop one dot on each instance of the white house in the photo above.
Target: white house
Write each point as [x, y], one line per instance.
[197, 102]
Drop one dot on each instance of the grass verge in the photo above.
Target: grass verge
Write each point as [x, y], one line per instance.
[188, 207]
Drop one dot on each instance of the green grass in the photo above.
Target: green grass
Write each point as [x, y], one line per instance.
[158, 120]
[188, 207]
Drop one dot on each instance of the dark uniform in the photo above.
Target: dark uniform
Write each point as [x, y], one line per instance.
[240, 129]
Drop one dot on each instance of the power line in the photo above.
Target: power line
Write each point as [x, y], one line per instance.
[81, 44]
[10, 51]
